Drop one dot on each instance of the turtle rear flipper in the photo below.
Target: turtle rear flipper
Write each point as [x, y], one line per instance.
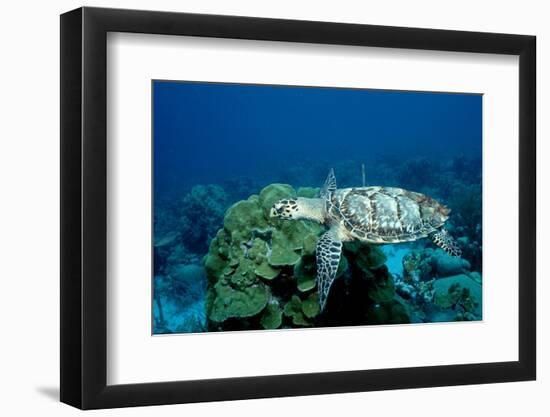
[328, 253]
[445, 241]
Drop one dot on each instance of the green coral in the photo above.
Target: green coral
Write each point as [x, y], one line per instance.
[266, 271]
[293, 309]
[305, 274]
[309, 244]
[272, 316]
[244, 275]
[289, 239]
[302, 312]
[262, 272]
[283, 251]
[244, 217]
[257, 250]
[230, 302]
[310, 306]
[252, 250]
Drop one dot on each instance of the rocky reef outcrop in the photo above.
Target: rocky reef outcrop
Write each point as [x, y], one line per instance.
[439, 287]
[178, 299]
[182, 232]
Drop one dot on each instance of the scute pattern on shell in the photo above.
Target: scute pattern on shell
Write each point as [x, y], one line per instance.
[385, 214]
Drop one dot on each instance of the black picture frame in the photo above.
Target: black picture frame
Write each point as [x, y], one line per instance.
[84, 207]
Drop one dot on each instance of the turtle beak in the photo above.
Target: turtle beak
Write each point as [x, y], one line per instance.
[444, 210]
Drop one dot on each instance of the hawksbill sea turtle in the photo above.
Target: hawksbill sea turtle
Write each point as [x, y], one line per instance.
[375, 215]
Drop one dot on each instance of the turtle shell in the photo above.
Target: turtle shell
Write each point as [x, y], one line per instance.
[385, 214]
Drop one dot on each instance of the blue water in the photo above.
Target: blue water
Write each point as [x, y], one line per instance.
[204, 132]
[241, 138]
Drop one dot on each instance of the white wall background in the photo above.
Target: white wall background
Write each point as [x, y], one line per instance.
[29, 237]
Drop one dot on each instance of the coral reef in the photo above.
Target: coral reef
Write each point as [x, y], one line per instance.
[467, 211]
[416, 174]
[183, 229]
[460, 293]
[201, 213]
[178, 295]
[262, 274]
[428, 263]
[439, 287]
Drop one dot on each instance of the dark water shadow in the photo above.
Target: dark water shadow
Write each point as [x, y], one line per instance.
[50, 392]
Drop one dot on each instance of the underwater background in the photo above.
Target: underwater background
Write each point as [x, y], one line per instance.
[224, 153]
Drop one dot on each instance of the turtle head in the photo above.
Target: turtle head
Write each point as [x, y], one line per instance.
[285, 209]
[299, 208]
[443, 212]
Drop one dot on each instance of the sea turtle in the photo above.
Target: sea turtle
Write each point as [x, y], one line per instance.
[375, 215]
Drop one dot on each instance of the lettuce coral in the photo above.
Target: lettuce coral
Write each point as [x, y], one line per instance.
[262, 271]
[272, 316]
[232, 302]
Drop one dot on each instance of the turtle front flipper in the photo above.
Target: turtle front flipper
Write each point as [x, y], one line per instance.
[445, 241]
[328, 252]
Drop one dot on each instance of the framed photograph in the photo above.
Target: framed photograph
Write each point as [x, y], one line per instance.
[256, 208]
